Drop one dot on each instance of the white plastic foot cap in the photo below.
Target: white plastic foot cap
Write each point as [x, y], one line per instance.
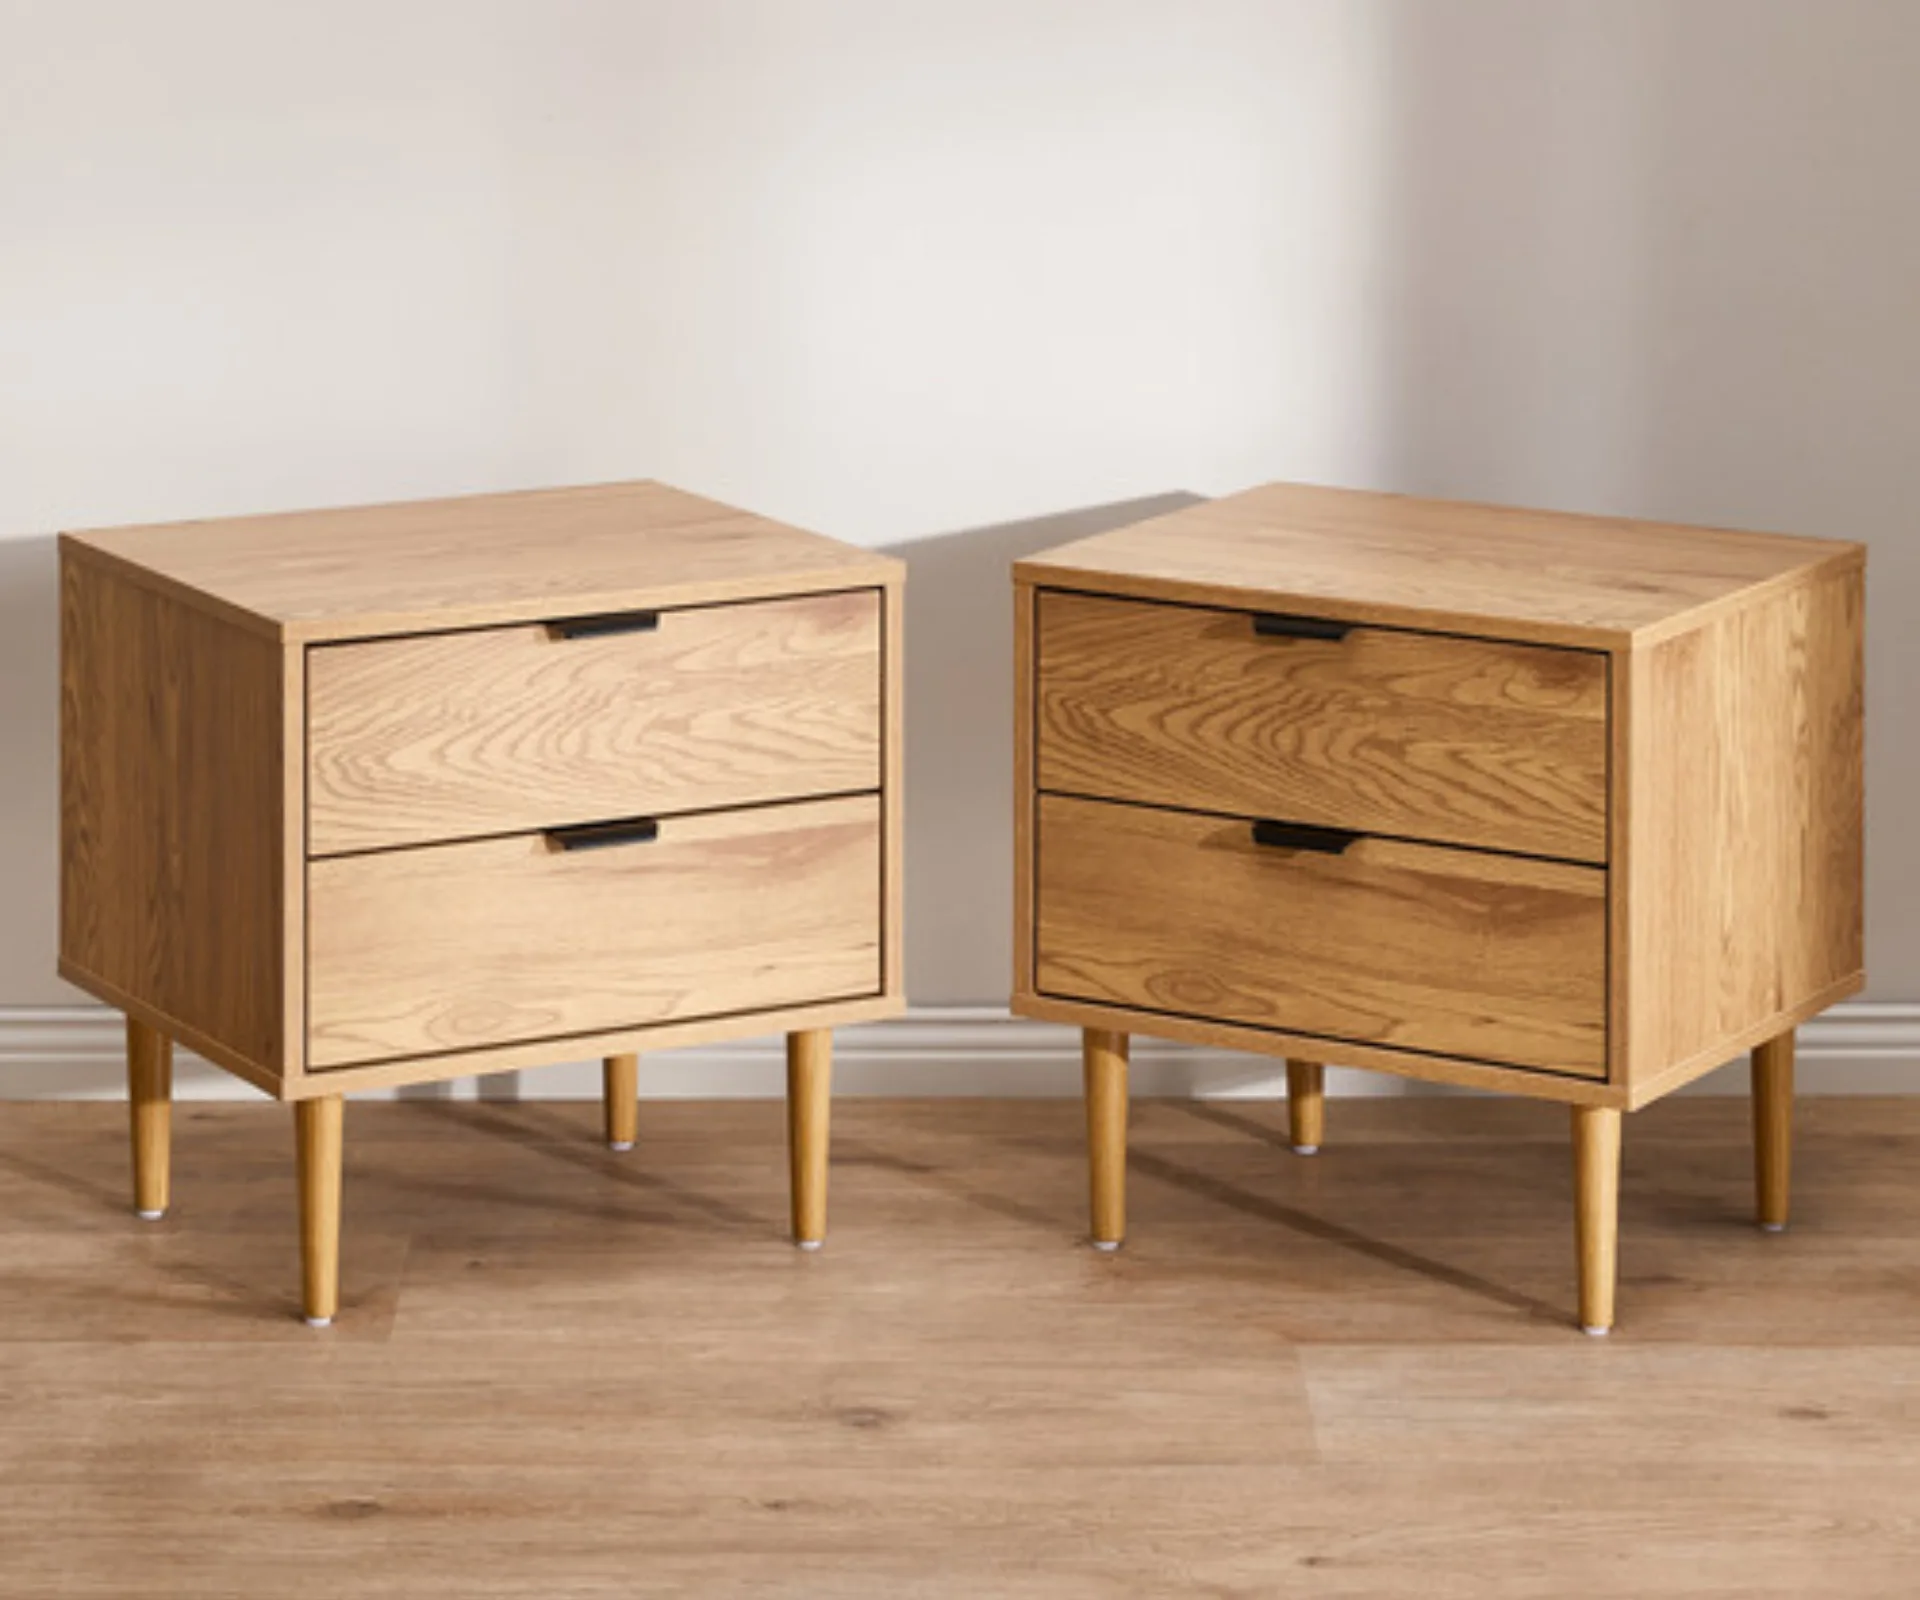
[1765, 1227]
[318, 1322]
[1594, 1333]
[619, 1144]
[1106, 1244]
[1306, 1149]
[149, 1216]
[809, 1244]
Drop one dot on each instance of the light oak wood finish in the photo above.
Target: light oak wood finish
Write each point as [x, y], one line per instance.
[593, 772]
[1742, 801]
[1596, 1206]
[893, 792]
[1104, 1059]
[620, 1086]
[1458, 741]
[478, 561]
[150, 1111]
[318, 1144]
[493, 941]
[1773, 1130]
[1306, 1105]
[1498, 572]
[1026, 794]
[1588, 792]
[502, 730]
[1456, 1071]
[173, 802]
[642, 1039]
[559, 1374]
[809, 1112]
[1497, 958]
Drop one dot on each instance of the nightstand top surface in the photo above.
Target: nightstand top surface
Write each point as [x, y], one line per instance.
[428, 565]
[1545, 576]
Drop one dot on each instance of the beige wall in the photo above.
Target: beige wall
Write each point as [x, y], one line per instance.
[898, 271]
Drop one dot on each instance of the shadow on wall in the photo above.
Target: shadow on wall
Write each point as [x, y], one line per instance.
[29, 771]
[959, 648]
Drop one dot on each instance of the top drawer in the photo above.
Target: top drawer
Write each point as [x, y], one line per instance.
[506, 730]
[1425, 736]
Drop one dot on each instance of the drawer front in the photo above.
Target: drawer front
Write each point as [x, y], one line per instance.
[1458, 952]
[457, 735]
[1424, 736]
[459, 946]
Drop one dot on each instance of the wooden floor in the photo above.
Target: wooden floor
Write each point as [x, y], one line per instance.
[563, 1372]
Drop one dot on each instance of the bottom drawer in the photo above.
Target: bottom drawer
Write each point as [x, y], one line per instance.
[454, 947]
[1455, 952]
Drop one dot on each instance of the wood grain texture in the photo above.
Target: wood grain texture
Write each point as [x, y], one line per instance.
[504, 730]
[1457, 952]
[1742, 807]
[458, 946]
[1279, 1043]
[1104, 1066]
[1596, 1209]
[174, 815]
[1540, 576]
[561, 1373]
[1773, 1130]
[809, 1125]
[639, 1038]
[1457, 741]
[478, 561]
[150, 1116]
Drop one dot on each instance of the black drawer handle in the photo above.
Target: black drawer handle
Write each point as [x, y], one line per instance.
[1276, 625]
[1300, 836]
[605, 835]
[601, 627]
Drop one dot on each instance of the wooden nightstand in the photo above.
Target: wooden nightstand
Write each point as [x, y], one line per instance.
[1555, 805]
[371, 797]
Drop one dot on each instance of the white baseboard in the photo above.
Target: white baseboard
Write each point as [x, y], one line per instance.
[75, 1053]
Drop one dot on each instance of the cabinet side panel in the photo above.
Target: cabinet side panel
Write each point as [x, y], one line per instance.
[1745, 775]
[171, 788]
[893, 670]
[1024, 687]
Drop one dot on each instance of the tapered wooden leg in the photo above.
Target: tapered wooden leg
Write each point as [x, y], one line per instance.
[1306, 1105]
[1596, 1205]
[1105, 1057]
[809, 1109]
[150, 1108]
[317, 1124]
[621, 1076]
[1773, 1128]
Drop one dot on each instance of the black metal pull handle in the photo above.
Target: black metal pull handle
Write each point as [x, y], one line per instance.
[600, 627]
[1302, 836]
[1277, 625]
[605, 835]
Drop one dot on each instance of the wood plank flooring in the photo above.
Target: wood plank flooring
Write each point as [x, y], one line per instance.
[564, 1372]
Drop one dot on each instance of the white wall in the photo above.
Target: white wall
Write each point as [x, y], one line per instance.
[897, 271]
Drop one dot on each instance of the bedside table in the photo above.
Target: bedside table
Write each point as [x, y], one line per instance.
[353, 799]
[1554, 805]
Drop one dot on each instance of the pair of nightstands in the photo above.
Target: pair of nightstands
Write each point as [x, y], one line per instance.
[1544, 804]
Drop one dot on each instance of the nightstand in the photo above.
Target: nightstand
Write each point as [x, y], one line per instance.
[364, 798]
[1552, 805]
